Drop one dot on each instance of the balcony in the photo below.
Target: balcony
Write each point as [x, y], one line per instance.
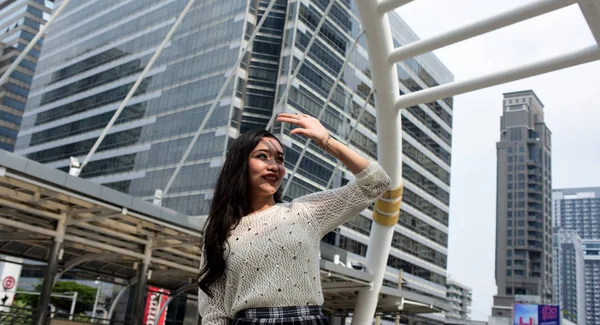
[535, 207]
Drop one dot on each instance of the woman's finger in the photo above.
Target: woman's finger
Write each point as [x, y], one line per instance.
[300, 131]
[288, 115]
[291, 120]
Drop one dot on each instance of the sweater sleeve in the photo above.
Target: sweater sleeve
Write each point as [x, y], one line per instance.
[212, 309]
[331, 208]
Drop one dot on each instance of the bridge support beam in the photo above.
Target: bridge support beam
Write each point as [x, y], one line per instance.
[140, 291]
[53, 257]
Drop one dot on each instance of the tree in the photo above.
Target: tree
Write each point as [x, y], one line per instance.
[86, 296]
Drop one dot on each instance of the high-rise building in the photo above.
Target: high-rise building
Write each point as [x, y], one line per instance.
[460, 299]
[96, 49]
[523, 205]
[20, 21]
[591, 256]
[578, 209]
[569, 275]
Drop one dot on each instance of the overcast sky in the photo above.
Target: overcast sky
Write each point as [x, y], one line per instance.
[572, 112]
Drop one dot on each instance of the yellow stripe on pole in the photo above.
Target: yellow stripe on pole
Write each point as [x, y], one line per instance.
[387, 209]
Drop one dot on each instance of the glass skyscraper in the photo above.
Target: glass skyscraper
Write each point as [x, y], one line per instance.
[96, 49]
[20, 21]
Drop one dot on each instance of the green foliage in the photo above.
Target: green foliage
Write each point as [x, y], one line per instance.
[17, 315]
[85, 296]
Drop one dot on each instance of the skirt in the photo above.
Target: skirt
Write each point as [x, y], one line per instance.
[295, 315]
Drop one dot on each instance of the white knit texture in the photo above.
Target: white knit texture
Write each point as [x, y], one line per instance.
[273, 256]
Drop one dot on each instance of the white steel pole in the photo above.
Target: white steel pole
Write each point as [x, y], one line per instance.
[349, 137]
[96, 302]
[32, 43]
[135, 86]
[563, 61]
[232, 74]
[73, 303]
[283, 98]
[389, 5]
[321, 113]
[478, 28]
[389, 135]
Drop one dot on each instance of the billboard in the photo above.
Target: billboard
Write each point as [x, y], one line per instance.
[9, 278]
[155, 300]
[536, 314]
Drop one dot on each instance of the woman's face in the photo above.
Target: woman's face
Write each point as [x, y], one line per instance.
[266, 168]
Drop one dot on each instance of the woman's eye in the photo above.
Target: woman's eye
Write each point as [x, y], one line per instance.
[280, 159]
[262, 156]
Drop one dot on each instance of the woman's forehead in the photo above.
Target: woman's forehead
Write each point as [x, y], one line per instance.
[269, 144]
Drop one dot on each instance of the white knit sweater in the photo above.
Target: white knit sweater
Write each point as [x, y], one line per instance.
[273, 255]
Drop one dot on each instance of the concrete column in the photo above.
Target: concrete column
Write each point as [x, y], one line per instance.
[53, 257]
[140, 291]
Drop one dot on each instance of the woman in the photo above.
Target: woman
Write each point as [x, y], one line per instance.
[261, 256]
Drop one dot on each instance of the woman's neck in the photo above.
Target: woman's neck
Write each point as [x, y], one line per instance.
[261, 204]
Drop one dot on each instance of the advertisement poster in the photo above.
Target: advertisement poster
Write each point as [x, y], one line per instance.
[548, 315]
[154, 302]
[536, 315]
[9, 278]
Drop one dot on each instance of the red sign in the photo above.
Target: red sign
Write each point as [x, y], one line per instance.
[8, 282]
[154, 303]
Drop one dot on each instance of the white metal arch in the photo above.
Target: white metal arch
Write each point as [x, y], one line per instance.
[382, 57]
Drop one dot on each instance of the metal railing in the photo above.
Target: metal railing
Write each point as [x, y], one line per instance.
[25, 316]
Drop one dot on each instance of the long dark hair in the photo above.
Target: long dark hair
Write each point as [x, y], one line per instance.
[231, 202]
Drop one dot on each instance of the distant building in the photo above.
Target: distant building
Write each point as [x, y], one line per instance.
[20, 21]
[460, 298]
[578, 209]
[524, 206]
[569, 275]
[591, 256]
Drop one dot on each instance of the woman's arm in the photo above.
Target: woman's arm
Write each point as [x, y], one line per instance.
[313, 129]
[329, 209]
[326, 210]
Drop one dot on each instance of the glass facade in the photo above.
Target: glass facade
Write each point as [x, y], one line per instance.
[96, 49]
[20, 21]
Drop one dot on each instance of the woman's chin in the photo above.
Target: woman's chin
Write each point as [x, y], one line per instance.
[269, 189]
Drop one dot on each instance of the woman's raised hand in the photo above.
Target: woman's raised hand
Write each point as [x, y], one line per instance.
[307, 126]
